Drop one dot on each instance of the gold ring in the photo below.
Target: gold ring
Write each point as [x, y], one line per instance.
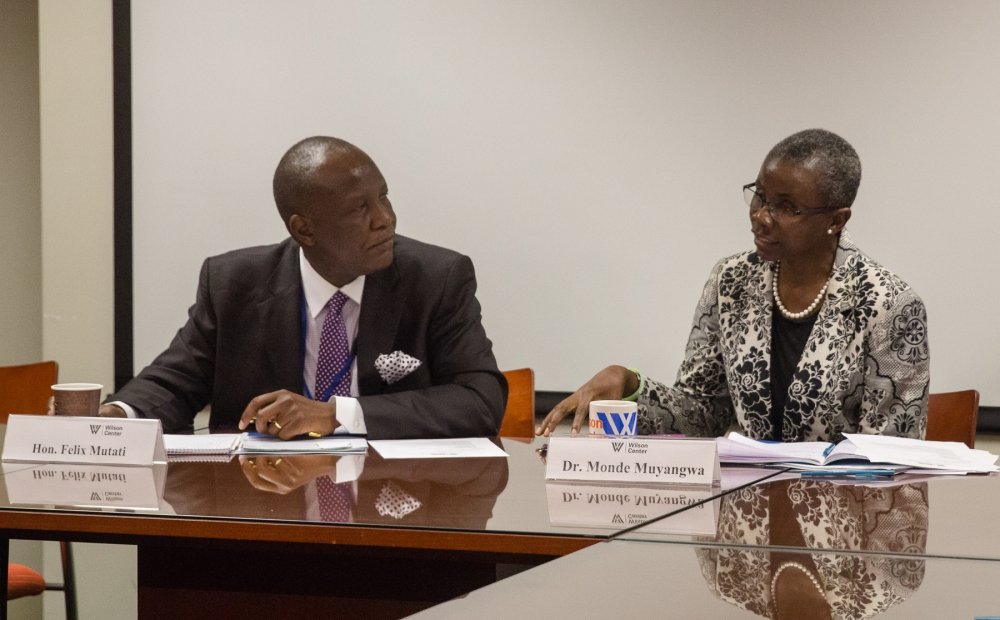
[278, 462]
[275, 422]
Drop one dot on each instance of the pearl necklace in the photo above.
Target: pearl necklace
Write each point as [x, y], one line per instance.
[793, 316]
[801, 567]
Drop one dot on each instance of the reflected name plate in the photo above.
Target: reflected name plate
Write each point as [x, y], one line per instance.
[101, 486]
[578, 504]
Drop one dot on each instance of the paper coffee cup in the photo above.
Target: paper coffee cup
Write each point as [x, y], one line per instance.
[76, 399]
[613, 417]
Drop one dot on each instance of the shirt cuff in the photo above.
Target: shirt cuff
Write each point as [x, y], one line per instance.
[634, 396]
[127, 408]
[350, 416]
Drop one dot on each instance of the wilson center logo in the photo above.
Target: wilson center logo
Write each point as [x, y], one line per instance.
[620, 423]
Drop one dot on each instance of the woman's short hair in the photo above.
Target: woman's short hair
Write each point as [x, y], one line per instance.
[831, 155]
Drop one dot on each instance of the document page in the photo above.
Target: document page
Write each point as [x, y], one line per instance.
[735, 448]
[949, 456]
[436, 448]
[254, 443]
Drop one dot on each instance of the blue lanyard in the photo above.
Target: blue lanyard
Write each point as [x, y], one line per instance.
[341, 374]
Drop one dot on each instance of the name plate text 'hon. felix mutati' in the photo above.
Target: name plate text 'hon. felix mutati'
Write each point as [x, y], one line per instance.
[107, 441]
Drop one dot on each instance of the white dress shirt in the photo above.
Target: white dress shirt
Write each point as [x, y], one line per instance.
[317, 293]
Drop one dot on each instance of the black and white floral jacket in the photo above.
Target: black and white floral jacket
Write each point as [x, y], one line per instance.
[865, 367]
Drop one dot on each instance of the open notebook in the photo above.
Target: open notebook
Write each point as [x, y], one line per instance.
[858, 451]
[186, 448]
[221, 447]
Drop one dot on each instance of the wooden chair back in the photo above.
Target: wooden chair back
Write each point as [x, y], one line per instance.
[519, 416]
[26, 388]
[952, 416]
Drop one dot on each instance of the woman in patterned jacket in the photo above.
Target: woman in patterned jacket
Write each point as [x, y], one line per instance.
[803, 339]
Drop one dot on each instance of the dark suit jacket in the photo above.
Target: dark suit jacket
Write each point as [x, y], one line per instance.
[243, 338]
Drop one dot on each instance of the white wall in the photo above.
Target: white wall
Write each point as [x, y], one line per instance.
[587, 155]
[20, 232]
[77, 261]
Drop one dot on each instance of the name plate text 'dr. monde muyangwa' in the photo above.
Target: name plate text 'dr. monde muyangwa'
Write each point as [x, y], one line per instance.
[632, 459]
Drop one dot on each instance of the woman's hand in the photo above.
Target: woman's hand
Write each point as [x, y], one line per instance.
[610, 384]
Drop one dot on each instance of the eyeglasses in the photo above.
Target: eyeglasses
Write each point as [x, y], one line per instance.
[784, 210]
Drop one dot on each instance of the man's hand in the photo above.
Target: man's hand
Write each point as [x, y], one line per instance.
[285, 474]
[610, 384]
[111, 411]
[105, 411]
[286, 415]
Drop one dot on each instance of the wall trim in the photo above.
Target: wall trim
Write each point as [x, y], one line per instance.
[122, 99]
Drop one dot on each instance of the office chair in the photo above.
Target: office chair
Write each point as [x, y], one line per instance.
[951, 416]
[27, 389]
[519, 416]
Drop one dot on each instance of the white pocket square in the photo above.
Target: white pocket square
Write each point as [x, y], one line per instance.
[393, 501]
[394, 366]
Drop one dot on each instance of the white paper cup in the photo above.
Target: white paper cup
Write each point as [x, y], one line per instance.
[613, 417]
[76, 399]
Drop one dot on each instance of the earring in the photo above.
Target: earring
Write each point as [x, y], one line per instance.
[829, 231]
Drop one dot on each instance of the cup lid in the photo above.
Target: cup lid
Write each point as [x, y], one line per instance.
[77, 386]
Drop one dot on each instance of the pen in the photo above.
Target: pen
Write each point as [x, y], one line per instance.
[310, 434]
[845, 473]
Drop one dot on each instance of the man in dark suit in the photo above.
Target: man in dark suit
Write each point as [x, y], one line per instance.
[420, 363]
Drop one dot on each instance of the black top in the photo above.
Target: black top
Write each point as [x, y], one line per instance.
[788, 340]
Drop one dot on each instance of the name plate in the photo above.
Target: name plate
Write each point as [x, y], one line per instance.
[86, 486]
[632, 459]
[64, 439]
[614, 506]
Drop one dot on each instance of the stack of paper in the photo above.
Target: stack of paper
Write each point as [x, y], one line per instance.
[221, 447]
[254, 443]
[735, 448]
[924, 456]
[858, 451]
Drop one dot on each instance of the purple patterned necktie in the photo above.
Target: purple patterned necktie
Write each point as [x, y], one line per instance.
[336, 499]
[334, 353]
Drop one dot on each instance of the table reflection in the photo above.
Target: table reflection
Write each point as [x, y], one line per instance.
[617, 506]
[82, 485]
[440, 493]
[818, 515]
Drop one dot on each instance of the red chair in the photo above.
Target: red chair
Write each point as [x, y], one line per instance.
[23, 581]
[519, 416]
[27, 389]
[952, 416]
